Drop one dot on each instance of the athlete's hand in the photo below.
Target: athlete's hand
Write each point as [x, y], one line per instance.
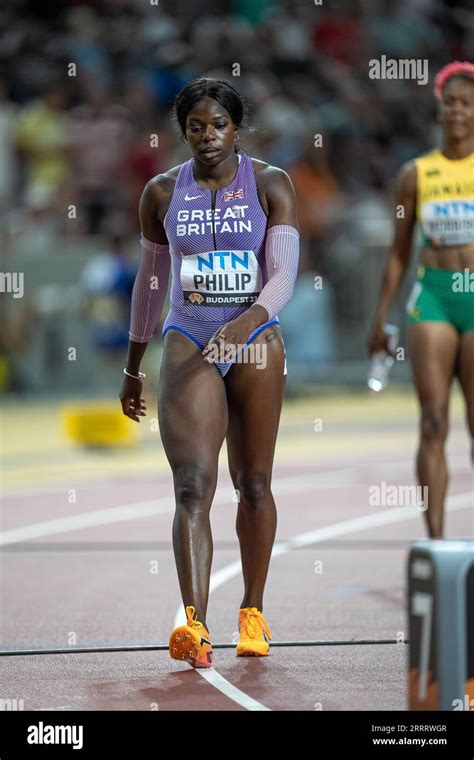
[133, 405]
[378, 339]
[227, 341]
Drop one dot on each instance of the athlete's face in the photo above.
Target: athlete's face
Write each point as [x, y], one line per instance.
[457, 108]
[210, 131]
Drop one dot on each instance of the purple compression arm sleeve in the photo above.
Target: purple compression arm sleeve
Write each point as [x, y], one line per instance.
[149, 289]
[282, 248]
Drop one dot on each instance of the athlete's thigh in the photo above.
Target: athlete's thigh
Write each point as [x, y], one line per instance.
[434, 348]
[254, 398]
[466, 371]
[192, 404]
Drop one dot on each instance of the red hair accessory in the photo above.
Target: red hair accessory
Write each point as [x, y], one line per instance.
[451, 70]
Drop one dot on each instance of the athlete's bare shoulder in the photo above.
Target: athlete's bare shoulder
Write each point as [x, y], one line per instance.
[273, 184]
[157, 193]
[162, 185]
[266, 173]
[259, 165]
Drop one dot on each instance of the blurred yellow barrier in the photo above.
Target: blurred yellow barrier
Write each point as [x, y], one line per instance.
[4, 374]
[98, 423]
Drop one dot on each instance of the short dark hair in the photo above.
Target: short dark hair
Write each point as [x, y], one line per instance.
[218, 89]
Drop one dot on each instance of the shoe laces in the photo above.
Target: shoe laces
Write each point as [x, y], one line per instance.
[192, 620]
[251, 620]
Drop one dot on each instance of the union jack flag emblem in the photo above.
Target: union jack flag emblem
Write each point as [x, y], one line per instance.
[234, 195]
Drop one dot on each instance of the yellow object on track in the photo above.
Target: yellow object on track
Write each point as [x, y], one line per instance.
[98, 424]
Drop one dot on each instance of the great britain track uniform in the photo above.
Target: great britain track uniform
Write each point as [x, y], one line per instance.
[445, 213]
[222, 257]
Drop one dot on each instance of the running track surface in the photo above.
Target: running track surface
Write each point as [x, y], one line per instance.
[87, 560]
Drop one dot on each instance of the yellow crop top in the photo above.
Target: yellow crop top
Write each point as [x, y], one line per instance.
[445, 199]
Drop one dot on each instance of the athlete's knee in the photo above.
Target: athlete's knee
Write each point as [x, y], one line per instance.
[253, 488]
[192, 485]
[434, 424]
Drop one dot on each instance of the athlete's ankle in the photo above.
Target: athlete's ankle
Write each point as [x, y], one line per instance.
[249, 603]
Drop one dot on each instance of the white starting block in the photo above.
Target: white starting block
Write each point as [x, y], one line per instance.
[441, 625]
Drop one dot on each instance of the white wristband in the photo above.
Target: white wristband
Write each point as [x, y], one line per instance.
[140, 375]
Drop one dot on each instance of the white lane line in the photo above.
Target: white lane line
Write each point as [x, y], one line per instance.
[166, 504]
[453, 504]
[87, 520]
[390, 469]
[232, 692]
[280, 486]
[399, 514]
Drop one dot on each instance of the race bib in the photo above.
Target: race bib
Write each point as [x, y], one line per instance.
[221, 278]
[448, 223]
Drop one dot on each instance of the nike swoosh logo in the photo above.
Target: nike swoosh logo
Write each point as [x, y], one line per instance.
[191, 197]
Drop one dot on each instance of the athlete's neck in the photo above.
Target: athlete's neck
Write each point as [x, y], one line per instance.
[457, 149]
[216, 176]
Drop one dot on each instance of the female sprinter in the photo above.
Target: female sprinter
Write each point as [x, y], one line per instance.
[437, 190]
[226, 224]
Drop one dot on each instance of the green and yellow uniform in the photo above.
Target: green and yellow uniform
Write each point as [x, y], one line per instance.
[445, 213]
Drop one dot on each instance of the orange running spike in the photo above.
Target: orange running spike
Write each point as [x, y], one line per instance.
[191, 642]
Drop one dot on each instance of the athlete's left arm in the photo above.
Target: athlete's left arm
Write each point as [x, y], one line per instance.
[281, 256]
[282, 247]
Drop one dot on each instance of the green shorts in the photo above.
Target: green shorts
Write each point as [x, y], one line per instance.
[441, 295]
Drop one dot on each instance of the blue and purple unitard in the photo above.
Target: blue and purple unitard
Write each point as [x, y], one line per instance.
[223, 259]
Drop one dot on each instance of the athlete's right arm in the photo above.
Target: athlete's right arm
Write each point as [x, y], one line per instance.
[399, 253]
[148, 295]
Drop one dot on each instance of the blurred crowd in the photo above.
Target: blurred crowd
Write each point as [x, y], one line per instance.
[86, 89]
